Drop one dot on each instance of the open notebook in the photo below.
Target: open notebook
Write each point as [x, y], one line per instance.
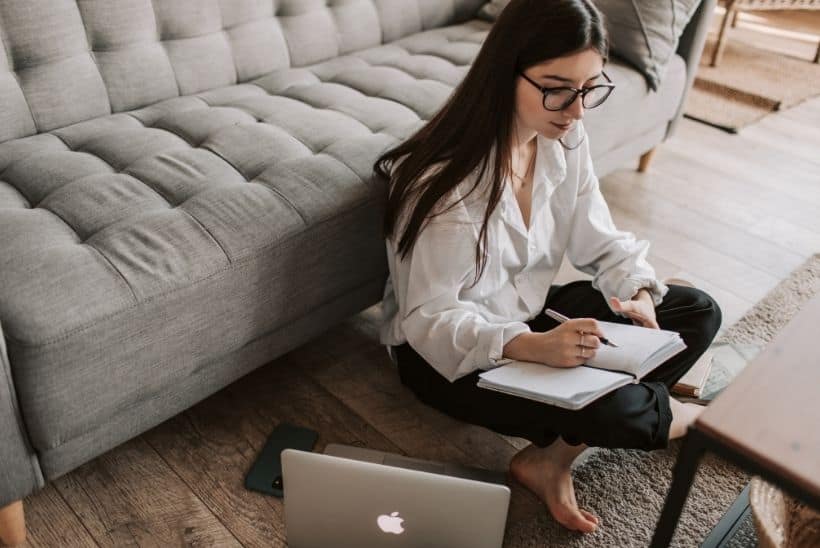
[639, 351]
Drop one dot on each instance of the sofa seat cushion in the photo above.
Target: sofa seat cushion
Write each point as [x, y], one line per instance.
[138, 246]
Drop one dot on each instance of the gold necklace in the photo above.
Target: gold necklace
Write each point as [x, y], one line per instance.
[529, 167]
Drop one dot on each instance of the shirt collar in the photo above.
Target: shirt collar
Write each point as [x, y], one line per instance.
[552, 163]
[549, 171]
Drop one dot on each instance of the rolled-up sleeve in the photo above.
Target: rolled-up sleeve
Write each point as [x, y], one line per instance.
[450, 333]
[615, 259]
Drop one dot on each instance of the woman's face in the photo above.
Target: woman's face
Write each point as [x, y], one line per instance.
[578, 70]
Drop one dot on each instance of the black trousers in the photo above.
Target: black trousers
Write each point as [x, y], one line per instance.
[633, 416]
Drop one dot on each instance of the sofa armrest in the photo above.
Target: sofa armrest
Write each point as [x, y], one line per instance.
[20, 472]
[690, 47]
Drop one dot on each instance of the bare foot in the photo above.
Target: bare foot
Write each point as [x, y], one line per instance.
[546, 472]
[683, 414]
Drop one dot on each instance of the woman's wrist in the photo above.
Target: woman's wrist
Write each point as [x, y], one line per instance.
[522, 347]
[644, 294]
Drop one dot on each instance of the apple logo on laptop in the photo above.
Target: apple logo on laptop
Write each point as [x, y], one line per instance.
[391, 523]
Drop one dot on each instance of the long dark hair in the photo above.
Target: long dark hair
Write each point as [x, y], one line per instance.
[479, 114]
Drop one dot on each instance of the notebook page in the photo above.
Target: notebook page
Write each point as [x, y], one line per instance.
[675, 345]
[635, 345]
[566, 387]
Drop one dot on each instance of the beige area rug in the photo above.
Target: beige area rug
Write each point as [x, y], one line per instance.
[748, 84]
[627, 488]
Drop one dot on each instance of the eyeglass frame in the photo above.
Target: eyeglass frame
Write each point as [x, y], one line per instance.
[582, 92]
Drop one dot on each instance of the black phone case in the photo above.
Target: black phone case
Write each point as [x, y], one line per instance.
[265, 475]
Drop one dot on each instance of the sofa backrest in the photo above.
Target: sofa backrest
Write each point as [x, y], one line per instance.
[66, 61]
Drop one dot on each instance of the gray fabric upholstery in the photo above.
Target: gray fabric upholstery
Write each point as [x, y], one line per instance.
[633, 110]
[19, 467]
[209, 377]
[492, 9]
[646, 32]
[167, 218]
[66, 61]
[631, 150]
[173, 216]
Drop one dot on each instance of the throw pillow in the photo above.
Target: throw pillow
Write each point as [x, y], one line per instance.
[644, 33]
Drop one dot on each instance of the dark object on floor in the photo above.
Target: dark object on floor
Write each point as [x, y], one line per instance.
[265, 475]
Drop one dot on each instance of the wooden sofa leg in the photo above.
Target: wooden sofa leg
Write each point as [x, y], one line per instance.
[12, 524]
[646, 158]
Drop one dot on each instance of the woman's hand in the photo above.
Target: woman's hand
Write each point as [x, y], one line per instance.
[641, 309]
[572, 343]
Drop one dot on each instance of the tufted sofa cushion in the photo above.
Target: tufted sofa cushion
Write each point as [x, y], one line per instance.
[126, 237]
[68, 61]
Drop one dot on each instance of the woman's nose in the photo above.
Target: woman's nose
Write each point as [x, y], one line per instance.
[576, 109]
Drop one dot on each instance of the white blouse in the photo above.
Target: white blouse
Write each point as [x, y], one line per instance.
[430, 302]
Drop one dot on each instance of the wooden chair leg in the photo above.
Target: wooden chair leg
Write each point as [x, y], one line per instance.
[12, 524]
[735, 17]
[721, 39]
[646, 158]
[817, 55]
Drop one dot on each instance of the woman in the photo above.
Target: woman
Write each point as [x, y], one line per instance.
[483, 203]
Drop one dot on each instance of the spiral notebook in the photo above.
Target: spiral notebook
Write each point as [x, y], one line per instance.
[640, 350]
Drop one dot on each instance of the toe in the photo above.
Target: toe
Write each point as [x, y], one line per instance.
[591, 517]
[583, 524]
[575, 520]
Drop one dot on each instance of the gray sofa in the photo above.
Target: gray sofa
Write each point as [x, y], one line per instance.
[186, 193]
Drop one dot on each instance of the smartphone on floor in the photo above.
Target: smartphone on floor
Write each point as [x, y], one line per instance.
[265, 476]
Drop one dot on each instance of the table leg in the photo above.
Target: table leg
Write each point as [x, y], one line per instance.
[721, 39]
[685, 468]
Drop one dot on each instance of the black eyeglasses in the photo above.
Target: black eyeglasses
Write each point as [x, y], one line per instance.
[559, 98]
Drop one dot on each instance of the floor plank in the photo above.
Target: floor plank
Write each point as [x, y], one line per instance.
[723, 200]
[788, 134]
[784, 174]
[214, 444]
[742, 279]
[806, 115]
[130, 497]
[687, 221]
[209, 447]
[51, 522]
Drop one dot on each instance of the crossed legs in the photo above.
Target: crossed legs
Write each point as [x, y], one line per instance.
[641, 416]
[546, 471]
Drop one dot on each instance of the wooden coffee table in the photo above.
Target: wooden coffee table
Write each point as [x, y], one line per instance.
[767, 421]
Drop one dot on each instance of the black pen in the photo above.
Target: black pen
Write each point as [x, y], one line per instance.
[560, 318]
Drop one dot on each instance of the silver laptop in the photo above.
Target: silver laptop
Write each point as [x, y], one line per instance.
[355, 497]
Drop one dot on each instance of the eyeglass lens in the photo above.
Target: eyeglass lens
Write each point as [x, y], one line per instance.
[561, 98]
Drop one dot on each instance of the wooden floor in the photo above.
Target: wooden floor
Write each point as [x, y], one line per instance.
[732, 214]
